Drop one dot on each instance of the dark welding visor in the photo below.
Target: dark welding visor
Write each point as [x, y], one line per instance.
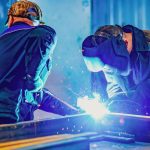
[112, 51]
[92, 45]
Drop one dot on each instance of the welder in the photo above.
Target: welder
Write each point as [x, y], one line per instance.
[119, 61]
[26, 49]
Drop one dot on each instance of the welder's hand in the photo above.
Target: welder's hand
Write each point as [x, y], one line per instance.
[73, 110]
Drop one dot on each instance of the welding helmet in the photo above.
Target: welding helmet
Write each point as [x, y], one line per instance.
[108, 47]
[25, 9]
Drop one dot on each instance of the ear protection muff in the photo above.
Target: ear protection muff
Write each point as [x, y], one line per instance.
[34, 13]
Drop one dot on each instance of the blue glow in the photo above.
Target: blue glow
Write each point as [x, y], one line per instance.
[92, 106]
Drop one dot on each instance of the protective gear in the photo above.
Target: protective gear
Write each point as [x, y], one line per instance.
[25, 9]
[126, 106]
[108, 49]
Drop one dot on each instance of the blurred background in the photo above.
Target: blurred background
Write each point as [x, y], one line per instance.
[73, 20]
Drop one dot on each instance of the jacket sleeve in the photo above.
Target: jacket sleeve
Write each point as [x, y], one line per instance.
[54, 105]
[39, 48]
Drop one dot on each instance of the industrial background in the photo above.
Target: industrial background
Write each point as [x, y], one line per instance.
[73, 20]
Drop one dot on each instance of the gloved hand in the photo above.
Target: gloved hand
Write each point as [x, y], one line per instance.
[52, 104]
[126, 106]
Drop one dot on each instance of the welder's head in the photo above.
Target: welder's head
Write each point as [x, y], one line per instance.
[108, 31]
[26, 10]
[100, 41]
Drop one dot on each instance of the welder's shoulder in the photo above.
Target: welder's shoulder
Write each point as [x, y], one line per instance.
[43, 31]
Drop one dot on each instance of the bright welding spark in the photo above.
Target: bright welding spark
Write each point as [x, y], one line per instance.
[92, 106]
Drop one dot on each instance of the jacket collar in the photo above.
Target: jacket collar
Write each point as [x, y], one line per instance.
[16, 27]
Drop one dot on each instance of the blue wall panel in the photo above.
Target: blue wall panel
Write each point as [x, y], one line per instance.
[4, 6]
[122, 12]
